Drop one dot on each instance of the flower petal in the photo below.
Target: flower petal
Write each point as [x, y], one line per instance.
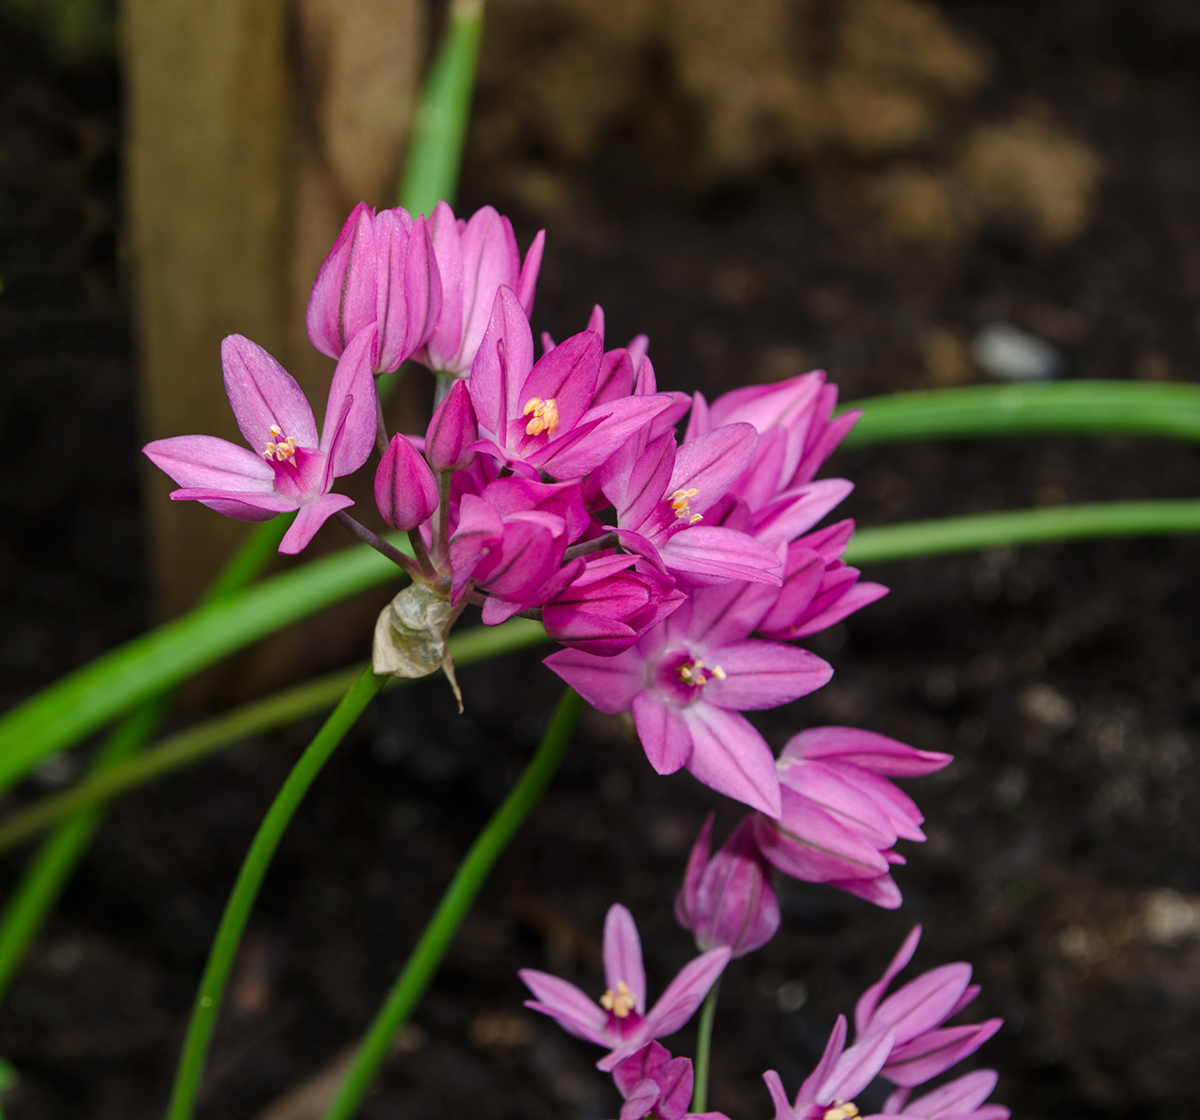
[683, 995]
[262, 393]
[609, 684]
[663, 732]
[211, 463]
[623, 954]
[567, 1005]
[312, 516]
[730, 756]
[761, 675]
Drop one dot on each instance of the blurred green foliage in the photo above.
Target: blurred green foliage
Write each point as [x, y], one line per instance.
[76, 32]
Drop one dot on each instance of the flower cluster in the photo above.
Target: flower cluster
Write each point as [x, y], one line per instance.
[676, 570]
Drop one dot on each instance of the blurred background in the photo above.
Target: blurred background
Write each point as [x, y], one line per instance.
[903, 192]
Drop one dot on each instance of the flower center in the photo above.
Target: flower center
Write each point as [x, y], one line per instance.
[280, 449]
[544, 416]
[840, 1111]
[681, 503]
[620, 1002]
[697, 674]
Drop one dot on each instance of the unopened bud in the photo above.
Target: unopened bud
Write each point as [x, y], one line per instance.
[405, 489]
[452, 431]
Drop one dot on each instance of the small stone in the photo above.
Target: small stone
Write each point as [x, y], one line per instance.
[1011, 354]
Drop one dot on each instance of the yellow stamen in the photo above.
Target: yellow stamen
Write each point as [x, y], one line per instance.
[840, 1111]
[545, 416]
[681, 503]
[620, 1002]
[698, 674]
[280, 449]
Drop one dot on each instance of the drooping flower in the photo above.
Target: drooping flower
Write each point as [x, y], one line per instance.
[915, 1014]
[688, 681]
[539, 417]
[475, 259]
[620, 1020]
[652, 1083]
[828, 1092]
[841, 815]
[728, 899]
[381, 271]
[287, 468]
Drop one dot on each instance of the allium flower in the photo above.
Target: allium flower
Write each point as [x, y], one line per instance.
[620, 1021]
[840, 814]
[688, 681]
[960, 1099]
[728, 899]
[914, 1014]
[475, 259]
[540, 417]
[381, 270]
[452, 431]
[288, 469]
[652, 1083]
[405, 489]
[828, 1092]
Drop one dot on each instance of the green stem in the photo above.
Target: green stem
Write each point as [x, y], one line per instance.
[440, 128]
[425, 958]
[1022, 526]
[704, 1047]
[245, 891]
[1169, 409]
[466, 648]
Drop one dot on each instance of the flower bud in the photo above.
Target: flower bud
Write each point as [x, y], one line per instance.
[343, 299]
[452, 431]
[405, 489]
[728, 900]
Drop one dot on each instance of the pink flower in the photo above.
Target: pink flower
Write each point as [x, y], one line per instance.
[452, 431]
[819, 590]
[652, 1083]
[288, 469]
[610, 605]
[960, 1099]
[405, 490]
[688, 681]
[381, 270]
[839, 1077]
[475, 259]
[728, 899]
[539, 417]
[914, 1015]
[619, 1020]
[840, 814]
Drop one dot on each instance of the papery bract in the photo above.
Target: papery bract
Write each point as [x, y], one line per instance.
[288, 468]
[688, 681]
[728, 899]
[620, 1020]
[405, 490]
[475, 259]
[381, 270]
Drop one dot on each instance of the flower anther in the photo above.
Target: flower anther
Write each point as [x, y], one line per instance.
[620, 1002]
[280, 449]
[847, 1111]
[697, 674]
[681, 503]
[545, 416]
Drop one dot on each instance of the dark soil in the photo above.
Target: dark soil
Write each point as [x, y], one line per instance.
[1066, 679]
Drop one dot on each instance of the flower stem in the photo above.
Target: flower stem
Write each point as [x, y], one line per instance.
[609, 540]
[379, 544]
[427, 955]
[466, 647]
[381, 435]
[704, 1047]
[245, 891]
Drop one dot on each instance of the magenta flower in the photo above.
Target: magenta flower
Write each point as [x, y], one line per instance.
[288, 469]
[662, 495]
[728, 899]
[914, 1015]
[539, 417]
[610, 605]
[620, 1021]
[828, 1092]
[819, 590]
[688, 681]
[475, 259]
[840, 814]
[381, 270]
[960, 1099]
[451, 432]
[652, 1083]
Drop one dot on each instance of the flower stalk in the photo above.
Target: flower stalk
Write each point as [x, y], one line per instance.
[704, 1032]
